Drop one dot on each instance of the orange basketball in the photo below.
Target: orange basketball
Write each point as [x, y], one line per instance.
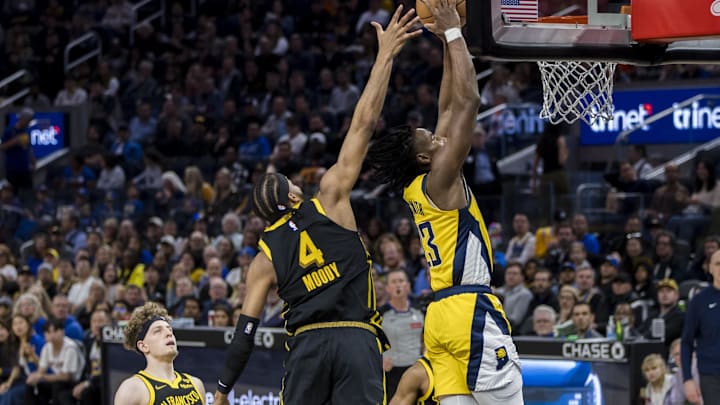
[426, 16]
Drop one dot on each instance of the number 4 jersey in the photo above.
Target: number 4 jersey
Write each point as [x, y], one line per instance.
[323, 269]
[456, 242]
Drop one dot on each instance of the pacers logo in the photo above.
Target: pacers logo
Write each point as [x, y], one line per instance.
[501, 357]
[715, 8]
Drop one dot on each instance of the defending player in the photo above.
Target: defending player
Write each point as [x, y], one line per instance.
[313, 253]
[417, 385]
[475, 358]
[149, 332]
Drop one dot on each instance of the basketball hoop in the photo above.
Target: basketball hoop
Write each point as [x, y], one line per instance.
[576, 89]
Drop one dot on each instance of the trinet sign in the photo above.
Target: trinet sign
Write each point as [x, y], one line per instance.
[696, 123]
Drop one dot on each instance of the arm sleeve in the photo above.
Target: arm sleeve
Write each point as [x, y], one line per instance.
[688, 338]
[238, 353]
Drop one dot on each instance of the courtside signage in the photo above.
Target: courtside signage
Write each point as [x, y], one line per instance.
[695, 123]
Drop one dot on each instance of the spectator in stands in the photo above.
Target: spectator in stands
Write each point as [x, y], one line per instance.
[583, 319]
[638, 158]
[81, 288]
[19, 156]
[633, 252]
[633, 224]
[668, 296]
[256, 149]
[9, 356]
[702, 203]
[344, 94]
[582, 233]
[566, 276]
[608, 272]
[59, 369]
[559, 251]
[667, 263]
[659, 380]
[481, 172]
[516, 297]
[578, 255]
[542, 291]
[271, 316]
[623, 323]
[643, 284]
[700, 268]
[522, 245]
[567, 297]
[672, 197]
[130, 151]
[142, 126]
[61, 312]
[676, 395]
[547, 235]
[543, 321]
[88, 390]
[552, 151]
[374, 13]
[621, 291]
[31, 345]
[590, 294]
[626, 181]
[221, 317]
[71, 94]
[96, 298]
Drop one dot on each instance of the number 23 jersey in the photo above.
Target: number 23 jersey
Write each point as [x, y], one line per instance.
[323, 269]
[456, 243]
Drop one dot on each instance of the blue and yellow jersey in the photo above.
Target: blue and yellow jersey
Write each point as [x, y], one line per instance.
[456, 242]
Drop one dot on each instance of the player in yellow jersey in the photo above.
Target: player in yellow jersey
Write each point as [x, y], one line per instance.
[474, 360]
[149, 333]
[417, 385]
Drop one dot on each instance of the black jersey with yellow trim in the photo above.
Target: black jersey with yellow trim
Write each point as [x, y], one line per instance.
[181, 390]
[323, 269]
[427, 397]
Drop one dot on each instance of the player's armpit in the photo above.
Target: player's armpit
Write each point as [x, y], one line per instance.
[132, 392]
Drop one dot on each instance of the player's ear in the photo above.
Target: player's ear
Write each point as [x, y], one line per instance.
[294, 198]
[423, 158]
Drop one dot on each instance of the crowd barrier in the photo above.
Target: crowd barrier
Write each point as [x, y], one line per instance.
[593, 372]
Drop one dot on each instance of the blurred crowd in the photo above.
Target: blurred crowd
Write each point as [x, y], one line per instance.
[184, 114]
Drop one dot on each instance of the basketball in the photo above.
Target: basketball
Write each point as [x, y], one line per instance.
[426, 16]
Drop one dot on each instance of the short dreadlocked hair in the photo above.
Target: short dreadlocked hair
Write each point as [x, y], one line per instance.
[270, 196]
[392, 156]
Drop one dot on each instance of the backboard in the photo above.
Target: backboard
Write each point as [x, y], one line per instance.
[531, 30]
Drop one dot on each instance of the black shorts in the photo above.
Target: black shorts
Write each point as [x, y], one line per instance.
[334, 366]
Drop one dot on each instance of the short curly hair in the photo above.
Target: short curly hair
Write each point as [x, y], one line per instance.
[141, 315]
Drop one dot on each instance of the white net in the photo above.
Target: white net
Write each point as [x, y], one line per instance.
[577, 89]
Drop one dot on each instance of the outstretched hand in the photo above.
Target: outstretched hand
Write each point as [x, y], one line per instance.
[398, 31]
[445, 14]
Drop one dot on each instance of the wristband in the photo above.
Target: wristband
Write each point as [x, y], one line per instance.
[452, 34]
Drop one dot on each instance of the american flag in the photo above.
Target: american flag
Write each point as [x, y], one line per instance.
[520, 10]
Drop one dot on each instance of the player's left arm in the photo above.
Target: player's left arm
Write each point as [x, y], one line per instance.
[200, 387]
[339, 180]
[261, 277]
[412, 382]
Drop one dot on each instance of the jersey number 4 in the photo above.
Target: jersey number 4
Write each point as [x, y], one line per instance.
[309, 252]
[432, 253]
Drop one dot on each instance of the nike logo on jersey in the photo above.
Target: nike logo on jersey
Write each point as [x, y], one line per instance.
[159, 387]
[713, 305]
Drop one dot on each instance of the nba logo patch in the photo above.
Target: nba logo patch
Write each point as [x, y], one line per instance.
[249, 328]
[292, 226]
[501, 356]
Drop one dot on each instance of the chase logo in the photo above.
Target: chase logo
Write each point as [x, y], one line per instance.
[715, 8]
[501, 357]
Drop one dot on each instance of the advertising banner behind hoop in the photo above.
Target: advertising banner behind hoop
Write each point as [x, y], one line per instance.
[696, 123]
[673, 20]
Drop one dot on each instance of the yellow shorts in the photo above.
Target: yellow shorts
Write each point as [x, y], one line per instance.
[467, 338]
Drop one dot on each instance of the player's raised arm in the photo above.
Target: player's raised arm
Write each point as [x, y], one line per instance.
[464, 101]
[260, 278]
[341, 177]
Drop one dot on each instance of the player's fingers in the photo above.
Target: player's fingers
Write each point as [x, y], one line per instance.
[405, 18]
[377, 26]
[396, 15]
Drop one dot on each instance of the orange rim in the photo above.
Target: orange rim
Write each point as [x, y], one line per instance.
[568, 19]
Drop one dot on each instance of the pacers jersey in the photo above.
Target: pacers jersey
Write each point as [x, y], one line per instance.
[163, 392]
[427, 397]
[456, 243]
[323, 269]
